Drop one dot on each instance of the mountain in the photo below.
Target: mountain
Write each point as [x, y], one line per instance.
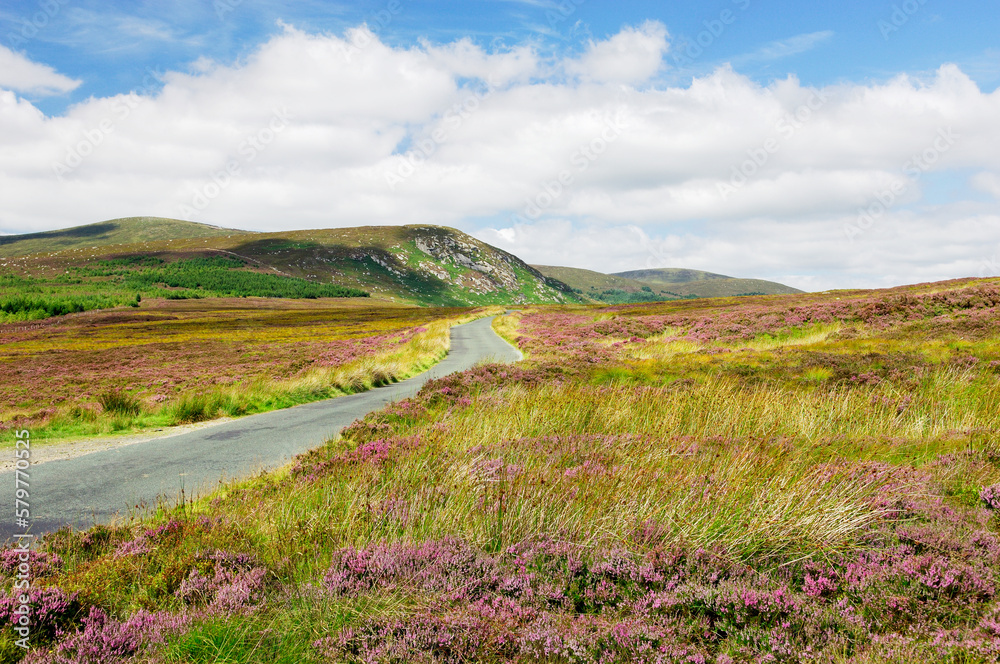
[706, 284]
[607, 288]
[587, 280]
[729, 288]
[106, 233]
[429, 265]
[667, 283]
[671, 275]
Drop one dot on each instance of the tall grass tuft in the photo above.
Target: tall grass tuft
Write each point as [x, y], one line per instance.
[119, 402]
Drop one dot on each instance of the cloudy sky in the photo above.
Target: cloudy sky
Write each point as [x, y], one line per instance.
[827, 144]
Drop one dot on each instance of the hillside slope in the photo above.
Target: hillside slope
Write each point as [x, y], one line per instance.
[588, 280]
[608, 288]
[729, 288]
[670, 275]
[706, 284]
[107, 233]
[428, 265]
[668, 283]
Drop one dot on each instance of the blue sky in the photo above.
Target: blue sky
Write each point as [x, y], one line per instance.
[760, 138]
[113, 46]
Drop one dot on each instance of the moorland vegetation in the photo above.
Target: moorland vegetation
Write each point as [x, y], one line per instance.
[805, 478]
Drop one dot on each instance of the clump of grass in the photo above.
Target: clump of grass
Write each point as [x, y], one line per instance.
[120, 403]
[194, 408]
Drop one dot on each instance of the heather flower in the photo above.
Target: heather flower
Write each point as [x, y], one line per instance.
[820, 584]
[235, 583]
[991, 496]
[40, 563]
[51, 610]
[372, 453]
[145, 542]
[104, 640]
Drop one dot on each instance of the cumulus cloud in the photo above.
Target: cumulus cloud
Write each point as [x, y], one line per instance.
[632, 56]
[604, 168]
[21, 74]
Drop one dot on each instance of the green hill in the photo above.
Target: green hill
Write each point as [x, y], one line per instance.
[706, 284]
[661, 284]
[670, 275]
[729, 288]
[608, 288]
[427, 265]
[588, 280]
[107, 233]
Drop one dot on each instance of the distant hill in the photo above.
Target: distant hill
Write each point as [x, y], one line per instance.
[667, 283]
[430, 265]
[587, 280]
[730, 288]
[607, 288]
[670, 275]
[107, 233]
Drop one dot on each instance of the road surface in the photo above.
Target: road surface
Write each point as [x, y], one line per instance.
[98, 486]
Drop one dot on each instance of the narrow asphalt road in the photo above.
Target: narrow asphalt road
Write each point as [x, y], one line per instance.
[98, 486]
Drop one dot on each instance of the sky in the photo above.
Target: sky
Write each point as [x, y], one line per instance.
[823, 145]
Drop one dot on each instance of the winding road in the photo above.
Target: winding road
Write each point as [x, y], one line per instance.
[96, 487]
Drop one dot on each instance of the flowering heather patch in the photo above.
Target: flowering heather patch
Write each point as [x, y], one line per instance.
[148, 540]
[104, 640]
[339, 352]
[991, 496]
[40, 563]
[226, 583]
[372, 453]
[971, 308]
[67, 629]
[574, 338]
[548, 600]
[52, 610]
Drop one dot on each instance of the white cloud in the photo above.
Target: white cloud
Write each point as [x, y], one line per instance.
[606, 170]
[988, 182]
[21, 74]
[632, 56]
